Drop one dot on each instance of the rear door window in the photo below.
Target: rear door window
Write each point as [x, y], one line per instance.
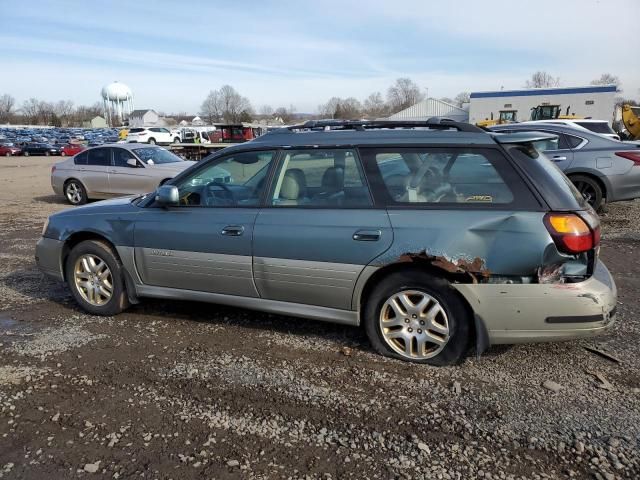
[99, 157]
[445, 176]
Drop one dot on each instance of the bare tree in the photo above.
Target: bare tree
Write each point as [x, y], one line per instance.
[461, 98]
[30, 109]
[211, 108]
[235, 107]
[403, 94]
[7, 102]
[64, 110]
[374, 106]
[266, 111]
[328, 110]
[608, 79]
[285, 114]
[542, 79]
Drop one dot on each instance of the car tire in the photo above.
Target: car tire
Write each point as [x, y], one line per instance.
[176, 140]
[96, 278]
[438, 331]
[26, 154]
[62, 154]
[75, 193]
[590, 189]
[152, 141]
[46, 154]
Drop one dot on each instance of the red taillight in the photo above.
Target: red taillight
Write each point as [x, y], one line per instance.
[630, 155]
[571, 233]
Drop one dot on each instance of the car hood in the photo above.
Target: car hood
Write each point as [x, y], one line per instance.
[173, 167]
[113, 205]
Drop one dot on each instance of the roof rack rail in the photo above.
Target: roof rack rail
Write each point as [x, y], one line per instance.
[435, 123]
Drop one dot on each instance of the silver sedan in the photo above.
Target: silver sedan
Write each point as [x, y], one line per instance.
[114, 170]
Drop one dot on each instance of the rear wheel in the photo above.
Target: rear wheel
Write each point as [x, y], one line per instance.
[590, 189]
[26, 153]
[75, 192]
[417, 317]
[95, 276]
[152, 141]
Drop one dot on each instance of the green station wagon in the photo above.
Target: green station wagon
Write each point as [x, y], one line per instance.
[437, 237]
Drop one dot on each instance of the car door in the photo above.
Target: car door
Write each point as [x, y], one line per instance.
[95, 174]
[318, 230]
[558, 151]
[125, 179]
[205, 242]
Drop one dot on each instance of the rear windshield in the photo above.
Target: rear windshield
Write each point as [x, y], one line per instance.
[551, 182]
[597, 127]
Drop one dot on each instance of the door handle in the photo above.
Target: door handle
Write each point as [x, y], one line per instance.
[559, 157]
[233, 230]
[367, 235]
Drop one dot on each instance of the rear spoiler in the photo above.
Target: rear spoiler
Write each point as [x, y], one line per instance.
[522, 137]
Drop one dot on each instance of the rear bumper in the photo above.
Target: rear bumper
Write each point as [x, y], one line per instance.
[49, 257]
[624, 187]
[544, 312]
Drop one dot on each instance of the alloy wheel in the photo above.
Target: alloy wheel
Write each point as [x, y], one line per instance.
[587, 191]
[414, 324]
[93, 279]
[74, 193]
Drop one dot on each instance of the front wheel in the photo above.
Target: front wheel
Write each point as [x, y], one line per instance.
[62, 154]
[95, 276]
[417, 317]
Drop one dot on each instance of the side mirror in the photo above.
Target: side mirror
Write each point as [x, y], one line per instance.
[132, 163]
[167, 195]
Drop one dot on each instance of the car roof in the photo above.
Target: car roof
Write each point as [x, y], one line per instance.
[126, 146]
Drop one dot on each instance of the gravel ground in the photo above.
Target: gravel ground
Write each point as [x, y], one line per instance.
[187, 390]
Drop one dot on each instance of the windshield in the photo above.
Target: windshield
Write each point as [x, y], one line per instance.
[157, 155]
[597, 127]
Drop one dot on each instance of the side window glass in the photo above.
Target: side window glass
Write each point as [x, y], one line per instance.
[120, 157]
[81, 158]
[321, 178]
[545, 145]
[572, 141]
[100, 157]
[441, 176]
[233, 181]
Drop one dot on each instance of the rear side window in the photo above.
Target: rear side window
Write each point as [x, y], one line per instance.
[572, 141]
[81, 158]
[555, 187]
[136, 130]
[445, 176]
[99, 157]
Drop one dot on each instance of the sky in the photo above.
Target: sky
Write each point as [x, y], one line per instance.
[281, 53]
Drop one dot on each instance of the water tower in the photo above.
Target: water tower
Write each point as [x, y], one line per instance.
[117, 100]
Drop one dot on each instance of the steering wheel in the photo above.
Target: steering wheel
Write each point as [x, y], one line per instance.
[210, 199]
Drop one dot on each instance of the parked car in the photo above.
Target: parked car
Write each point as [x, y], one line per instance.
[150, 135]
[434, 239]
[40, 149]
[114, 170]
[9, 149]
[600, 127]
[71, 149]
[602, 169]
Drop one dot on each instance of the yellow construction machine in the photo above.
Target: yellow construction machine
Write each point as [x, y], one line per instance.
[630, 118]
[506, 116]
[552, 112]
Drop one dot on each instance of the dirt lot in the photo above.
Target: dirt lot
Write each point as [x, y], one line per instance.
[186, 390]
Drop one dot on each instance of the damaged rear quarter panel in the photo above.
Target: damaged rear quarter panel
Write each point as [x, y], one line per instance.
[481, 242]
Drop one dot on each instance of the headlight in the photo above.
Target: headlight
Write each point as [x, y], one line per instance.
[45, 226]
